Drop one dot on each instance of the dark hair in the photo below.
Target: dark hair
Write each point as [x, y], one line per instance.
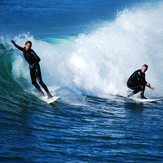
[29, 42]
[146, 66]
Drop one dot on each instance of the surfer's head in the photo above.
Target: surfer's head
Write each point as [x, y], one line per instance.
[144, 68]
[28, 45]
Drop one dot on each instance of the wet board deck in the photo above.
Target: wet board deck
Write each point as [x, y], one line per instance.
[51, 100]
[146, 100]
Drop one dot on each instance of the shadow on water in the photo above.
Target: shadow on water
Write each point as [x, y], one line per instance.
[139, 107]
[134, 107]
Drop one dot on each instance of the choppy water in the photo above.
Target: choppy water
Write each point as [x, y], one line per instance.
[88, 50]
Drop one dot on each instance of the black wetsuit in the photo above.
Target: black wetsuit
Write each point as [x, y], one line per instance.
[35, 72]
[137, 82]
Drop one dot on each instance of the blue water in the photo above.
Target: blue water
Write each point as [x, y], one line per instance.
[57, 18]
[88, 49]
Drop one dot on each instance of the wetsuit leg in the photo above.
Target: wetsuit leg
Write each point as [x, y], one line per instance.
[142, 91]
[34, 82]
[134, 92]
[39, 78]
[136, 88]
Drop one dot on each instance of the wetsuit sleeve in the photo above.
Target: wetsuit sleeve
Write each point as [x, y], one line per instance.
[137, 78]
[144, 80]
[35, 56]
[141, 78]
[136, 73]
[17, 46]
[134, 78]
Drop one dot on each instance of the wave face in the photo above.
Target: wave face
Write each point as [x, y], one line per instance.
[82, 126]
[103, 60]
[99, 63]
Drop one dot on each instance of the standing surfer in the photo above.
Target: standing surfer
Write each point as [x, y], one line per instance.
[33, 61]
[137, 82]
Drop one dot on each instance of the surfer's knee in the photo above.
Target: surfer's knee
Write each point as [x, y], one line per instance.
[41, 82]
[34, 83]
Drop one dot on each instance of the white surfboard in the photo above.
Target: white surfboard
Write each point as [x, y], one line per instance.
[51, 100]
[146, 100]
[45, 98]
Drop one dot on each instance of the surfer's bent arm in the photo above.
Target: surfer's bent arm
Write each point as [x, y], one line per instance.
[136, 76]
[17, 46]
[141, 78]
[145, 82]
[36, 56]
[37, 60]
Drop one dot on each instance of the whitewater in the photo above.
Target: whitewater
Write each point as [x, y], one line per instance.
[88, 70]
[99, 63]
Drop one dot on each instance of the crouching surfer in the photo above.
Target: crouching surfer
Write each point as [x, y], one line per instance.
[137, 82]
[33, 61]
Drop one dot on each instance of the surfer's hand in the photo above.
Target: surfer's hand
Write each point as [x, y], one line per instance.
[148, 85]
[13, 42]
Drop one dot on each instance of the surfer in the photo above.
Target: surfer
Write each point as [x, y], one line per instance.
[137, 82]
[33, 61]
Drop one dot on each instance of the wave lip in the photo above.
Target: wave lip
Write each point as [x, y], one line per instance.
[99, 63]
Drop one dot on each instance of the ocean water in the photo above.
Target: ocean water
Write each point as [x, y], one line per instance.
[88, 49]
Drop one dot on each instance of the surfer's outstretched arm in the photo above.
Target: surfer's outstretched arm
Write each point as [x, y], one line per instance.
[20, 48]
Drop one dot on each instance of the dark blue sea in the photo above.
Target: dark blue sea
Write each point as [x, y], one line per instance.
[88, 49]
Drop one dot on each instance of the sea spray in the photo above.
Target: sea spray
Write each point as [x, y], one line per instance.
[99, 63]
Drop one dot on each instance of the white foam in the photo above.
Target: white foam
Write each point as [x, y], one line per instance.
[101, 62]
